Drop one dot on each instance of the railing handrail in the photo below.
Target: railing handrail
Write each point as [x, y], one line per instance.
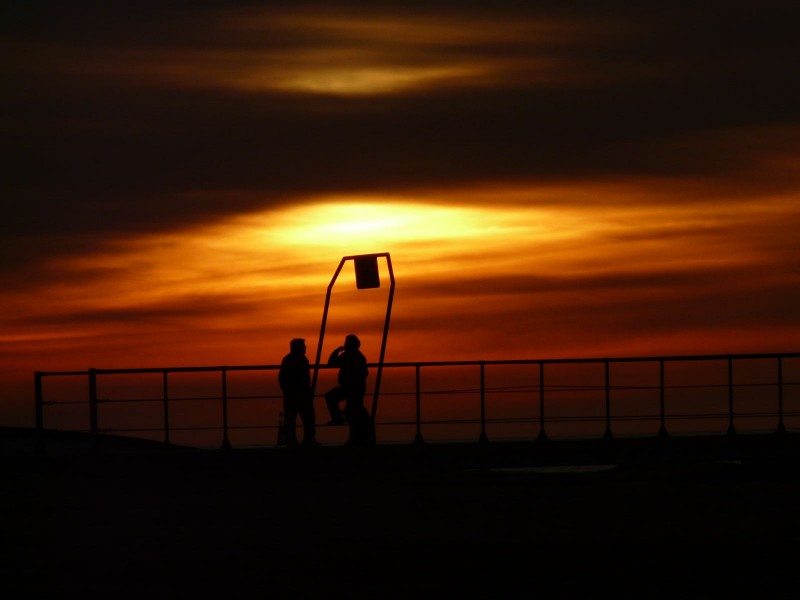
[445, 363]
[607, 386]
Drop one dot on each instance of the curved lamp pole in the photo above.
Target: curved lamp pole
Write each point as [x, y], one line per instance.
[367, 277]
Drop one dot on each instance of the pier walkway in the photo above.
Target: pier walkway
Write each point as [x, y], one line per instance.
[694, 517]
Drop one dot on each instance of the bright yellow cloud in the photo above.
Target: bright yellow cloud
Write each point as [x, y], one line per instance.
[288, 250]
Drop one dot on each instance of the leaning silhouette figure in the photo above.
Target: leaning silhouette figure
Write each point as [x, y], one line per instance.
[352, 380]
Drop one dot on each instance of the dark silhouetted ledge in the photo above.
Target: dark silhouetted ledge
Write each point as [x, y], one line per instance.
[442, 456]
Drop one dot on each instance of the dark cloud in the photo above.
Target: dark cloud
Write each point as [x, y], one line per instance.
[98, 147]
[175, 313]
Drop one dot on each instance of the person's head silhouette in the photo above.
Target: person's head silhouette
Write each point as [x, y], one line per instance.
[351, 342]
[298, 346]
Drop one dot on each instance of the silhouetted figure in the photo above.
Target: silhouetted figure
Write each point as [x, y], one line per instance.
[352, 386]
[294, 378]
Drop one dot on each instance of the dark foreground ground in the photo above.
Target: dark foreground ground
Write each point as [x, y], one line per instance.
[700, 518]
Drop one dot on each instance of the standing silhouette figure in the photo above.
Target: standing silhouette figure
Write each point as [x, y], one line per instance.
[352, 380]
[294, 378]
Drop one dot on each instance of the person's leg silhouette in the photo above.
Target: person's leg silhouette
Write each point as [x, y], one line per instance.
[332, 399]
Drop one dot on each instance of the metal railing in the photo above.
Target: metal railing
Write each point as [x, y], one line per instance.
[543, 395]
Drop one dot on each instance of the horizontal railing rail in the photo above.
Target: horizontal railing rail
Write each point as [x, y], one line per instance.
[544, 393]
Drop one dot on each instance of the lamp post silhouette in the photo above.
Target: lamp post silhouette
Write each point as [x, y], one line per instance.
[367, 277]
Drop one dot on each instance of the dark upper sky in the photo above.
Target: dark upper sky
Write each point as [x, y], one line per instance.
[131, 116]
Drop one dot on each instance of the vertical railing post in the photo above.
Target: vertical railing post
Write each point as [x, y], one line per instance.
[781, 426]
[166, 409]
[226, 444]
[418, 438]
[608, 435]
[731, 428]
[662, 430]
[483, 437]
[39, 401]
[93, 401]
[542, 435]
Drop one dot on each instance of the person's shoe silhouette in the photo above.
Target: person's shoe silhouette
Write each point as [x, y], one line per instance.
[337, 421]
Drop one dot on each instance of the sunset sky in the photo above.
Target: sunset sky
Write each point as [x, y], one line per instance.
[552, 180]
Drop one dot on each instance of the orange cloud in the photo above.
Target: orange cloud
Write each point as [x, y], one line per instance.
[545, 276]
[340, 54]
